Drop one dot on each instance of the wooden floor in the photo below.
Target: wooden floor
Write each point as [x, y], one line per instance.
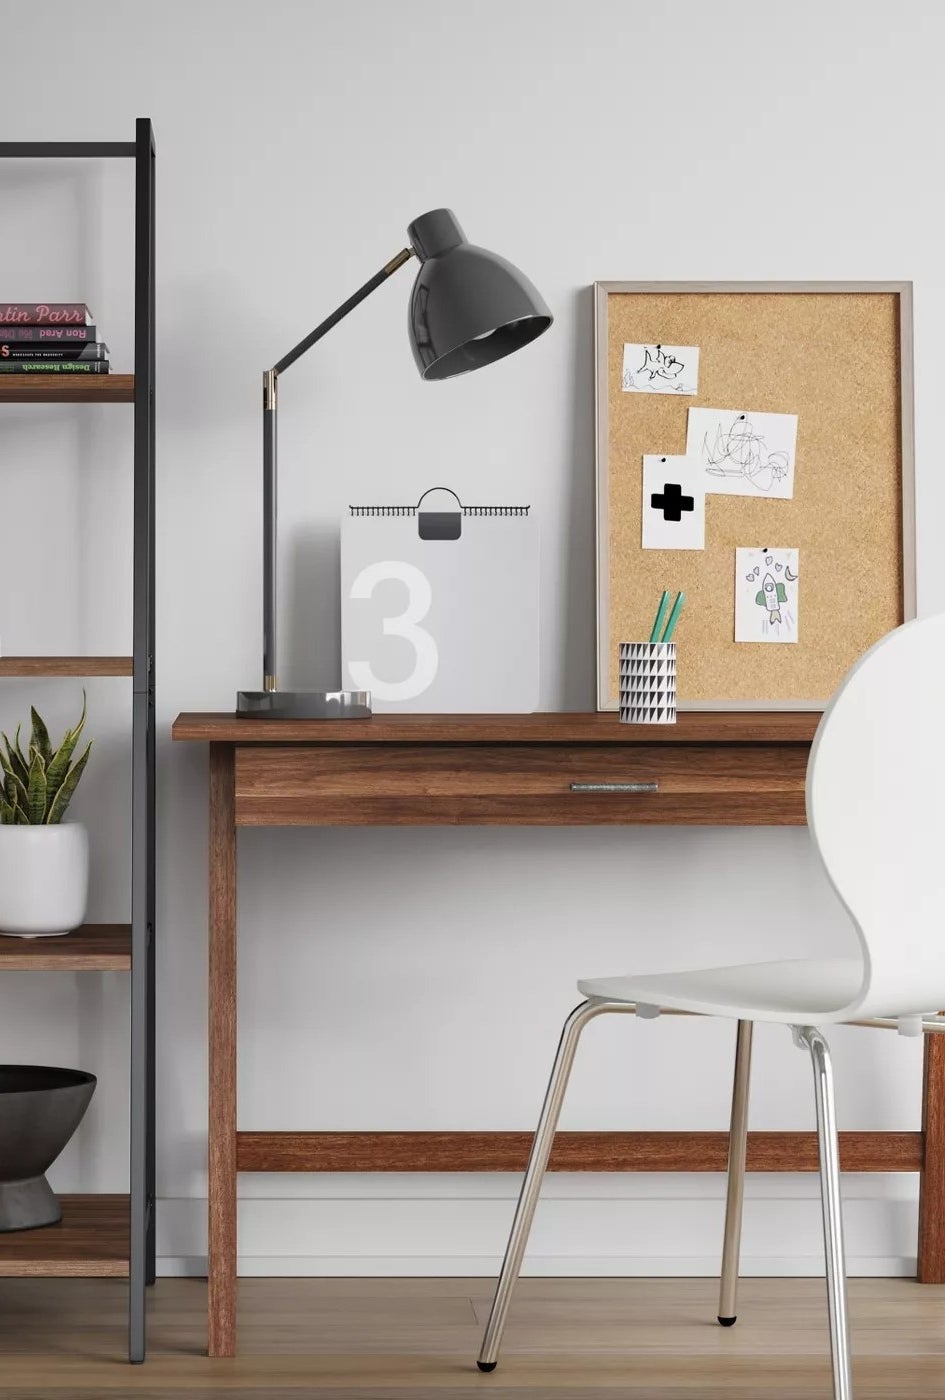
[416, 1339]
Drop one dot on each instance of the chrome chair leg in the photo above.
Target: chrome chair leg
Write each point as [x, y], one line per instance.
[810, 1038]
[737, 1144]
[534, 1174]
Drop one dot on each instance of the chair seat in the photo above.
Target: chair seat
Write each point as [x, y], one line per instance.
[800, 991]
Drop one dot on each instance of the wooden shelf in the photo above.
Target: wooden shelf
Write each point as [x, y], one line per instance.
[66, 666]
[67, 388]
[91, 1241]
[91, 948]
[549, 727]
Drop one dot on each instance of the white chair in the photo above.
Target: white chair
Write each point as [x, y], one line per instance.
[876, 811]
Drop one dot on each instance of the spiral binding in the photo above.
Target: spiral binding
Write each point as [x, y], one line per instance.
[383, 510]
[496, 510]
[414, 510]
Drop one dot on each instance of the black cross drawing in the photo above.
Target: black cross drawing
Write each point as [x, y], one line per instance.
[672, 502]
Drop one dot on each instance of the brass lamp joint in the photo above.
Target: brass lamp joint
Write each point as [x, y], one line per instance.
[403, 256]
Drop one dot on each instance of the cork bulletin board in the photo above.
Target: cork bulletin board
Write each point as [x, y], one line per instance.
[839, 356]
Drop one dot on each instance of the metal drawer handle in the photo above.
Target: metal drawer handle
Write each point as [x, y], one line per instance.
[615, 787]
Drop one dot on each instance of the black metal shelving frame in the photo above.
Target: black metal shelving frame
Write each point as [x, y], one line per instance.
[141, 1261]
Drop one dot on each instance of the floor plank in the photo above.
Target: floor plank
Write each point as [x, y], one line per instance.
[416, 1339]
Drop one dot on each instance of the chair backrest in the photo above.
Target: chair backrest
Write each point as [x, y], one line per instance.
[876, 810]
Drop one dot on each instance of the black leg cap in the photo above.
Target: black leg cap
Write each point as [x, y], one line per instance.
[727, 1321]
[487, 1365]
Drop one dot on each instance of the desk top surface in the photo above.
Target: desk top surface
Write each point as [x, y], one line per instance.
[726, 726]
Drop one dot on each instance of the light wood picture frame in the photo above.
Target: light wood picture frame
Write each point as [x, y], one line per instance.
[837, 354]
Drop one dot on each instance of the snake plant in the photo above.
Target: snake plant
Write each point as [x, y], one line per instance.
[36, 787]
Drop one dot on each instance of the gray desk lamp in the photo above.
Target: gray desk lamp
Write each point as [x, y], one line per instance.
[468, 307]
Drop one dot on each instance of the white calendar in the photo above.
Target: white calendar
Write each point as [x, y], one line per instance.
[439, 606]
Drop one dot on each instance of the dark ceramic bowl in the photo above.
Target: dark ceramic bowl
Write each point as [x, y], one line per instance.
[40, 1109]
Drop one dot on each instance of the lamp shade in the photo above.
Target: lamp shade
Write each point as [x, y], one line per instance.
[468, 306]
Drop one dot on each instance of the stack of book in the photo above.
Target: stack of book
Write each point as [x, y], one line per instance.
[49, 337]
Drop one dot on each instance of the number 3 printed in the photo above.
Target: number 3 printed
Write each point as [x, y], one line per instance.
[419, 598]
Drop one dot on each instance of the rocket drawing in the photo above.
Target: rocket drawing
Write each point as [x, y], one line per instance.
[771, 595]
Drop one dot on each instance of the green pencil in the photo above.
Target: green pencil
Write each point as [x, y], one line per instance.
[660, 615]
[674, 617]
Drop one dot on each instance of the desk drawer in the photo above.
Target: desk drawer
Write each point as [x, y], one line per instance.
[542, 784]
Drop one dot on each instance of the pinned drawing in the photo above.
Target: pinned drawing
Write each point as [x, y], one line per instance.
[766, 595]
[673, 507]
[660, 369]
[744, 453]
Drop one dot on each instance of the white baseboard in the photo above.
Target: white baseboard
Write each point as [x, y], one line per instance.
[475, 1266]
[591, 1226]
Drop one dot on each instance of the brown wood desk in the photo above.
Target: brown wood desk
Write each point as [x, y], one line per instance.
[543, 770]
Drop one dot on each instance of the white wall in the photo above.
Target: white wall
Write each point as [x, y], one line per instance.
[601, 139]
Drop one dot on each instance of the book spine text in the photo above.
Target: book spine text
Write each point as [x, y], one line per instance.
[44, 313]
[53, 366]
[42, 351]
[55, 335]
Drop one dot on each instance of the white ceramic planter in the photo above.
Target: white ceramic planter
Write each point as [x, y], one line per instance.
[44, 879]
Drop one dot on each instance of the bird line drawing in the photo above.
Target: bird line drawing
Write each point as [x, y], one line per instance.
[739, 453]
[660, 364]
[661, 368]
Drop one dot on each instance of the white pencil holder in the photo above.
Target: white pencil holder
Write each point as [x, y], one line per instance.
[648, 682]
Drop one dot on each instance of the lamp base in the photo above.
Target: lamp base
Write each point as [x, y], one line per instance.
[303, 704]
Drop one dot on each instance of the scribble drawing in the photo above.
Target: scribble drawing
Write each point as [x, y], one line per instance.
[741, 454]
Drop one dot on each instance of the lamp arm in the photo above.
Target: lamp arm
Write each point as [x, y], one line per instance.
[270, 456]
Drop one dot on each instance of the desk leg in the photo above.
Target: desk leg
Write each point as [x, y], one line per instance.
[221, 1187]
[931, 1262]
